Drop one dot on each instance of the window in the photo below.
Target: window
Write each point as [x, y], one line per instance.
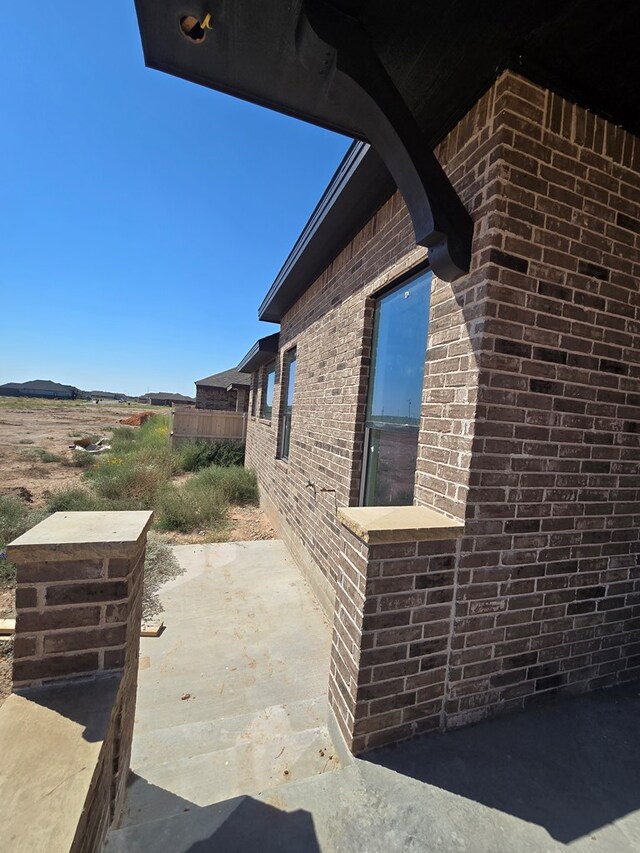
[399, 348]
[288, 388]
[266, 406]
[255, 384]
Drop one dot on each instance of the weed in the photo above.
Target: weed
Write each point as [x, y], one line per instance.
[189, 508]
[197, 454]
[72, 500]
[37, 454]
[15, 519]
[237, 485]
[81, 460]
[160, 566]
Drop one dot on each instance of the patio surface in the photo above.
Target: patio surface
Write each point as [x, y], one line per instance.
[248, 645]
[246, 639]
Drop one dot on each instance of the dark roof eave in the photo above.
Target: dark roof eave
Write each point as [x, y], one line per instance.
[360, 185]
[263, 351]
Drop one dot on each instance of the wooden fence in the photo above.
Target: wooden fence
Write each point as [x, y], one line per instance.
[186, 424]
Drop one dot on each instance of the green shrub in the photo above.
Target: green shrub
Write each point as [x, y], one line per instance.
[186, 509]
[136, 476]
[72, 500]
[160, 566]
[13, 514]
[82, 460]
[122, 439]
[237, 485]
[198, 454]
[15, 519]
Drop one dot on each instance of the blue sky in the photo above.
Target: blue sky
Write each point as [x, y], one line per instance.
[142, 218]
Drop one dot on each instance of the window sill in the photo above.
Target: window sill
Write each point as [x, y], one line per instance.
[265, 421]
[377, 525]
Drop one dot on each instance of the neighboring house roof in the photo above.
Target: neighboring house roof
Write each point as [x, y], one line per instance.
[165, 395]
[39, 385]
[262, 352]
[224, 379]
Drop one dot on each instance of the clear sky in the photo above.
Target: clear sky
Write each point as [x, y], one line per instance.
[142, 218]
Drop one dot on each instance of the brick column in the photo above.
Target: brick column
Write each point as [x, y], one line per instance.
[78, 596]
[392, 625]
[79, 605]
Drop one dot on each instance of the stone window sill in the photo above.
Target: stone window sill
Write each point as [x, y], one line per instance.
[381, 524]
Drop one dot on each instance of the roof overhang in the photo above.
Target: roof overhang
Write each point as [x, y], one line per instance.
[401, 75]
[359, 187]
[262, 352]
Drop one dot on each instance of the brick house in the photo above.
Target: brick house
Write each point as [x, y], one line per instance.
[227, 391]
[446, 430]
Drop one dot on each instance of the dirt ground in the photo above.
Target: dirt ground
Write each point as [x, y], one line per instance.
[25, 429]
[50, 428]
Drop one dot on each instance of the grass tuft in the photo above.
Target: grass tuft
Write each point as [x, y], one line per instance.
[186, 508]
[37, 454]
[195, 455]
[237, 485]
[160, 566]
[15, 519]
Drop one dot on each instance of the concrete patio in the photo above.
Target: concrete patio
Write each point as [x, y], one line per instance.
[242, 764]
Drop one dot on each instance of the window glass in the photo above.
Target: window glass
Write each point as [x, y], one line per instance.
[267, 391]
[395, 393]
[287, 410]
[291, 381]
[399, 347]
[391, 467]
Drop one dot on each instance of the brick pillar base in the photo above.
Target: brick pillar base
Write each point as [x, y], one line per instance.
[79, 606]
[392, 628]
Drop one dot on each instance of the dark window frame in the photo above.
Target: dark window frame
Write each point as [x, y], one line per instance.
[255, 385]
[286, 404]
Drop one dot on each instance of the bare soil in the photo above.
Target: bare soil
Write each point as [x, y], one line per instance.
[50, 428]
[246, 524]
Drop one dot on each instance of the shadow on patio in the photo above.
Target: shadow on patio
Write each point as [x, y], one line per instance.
[571, 767]
[231, 746]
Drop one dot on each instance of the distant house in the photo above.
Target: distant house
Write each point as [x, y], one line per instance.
[107, 395]
[227, 391]
[40, 388]
[163, 398]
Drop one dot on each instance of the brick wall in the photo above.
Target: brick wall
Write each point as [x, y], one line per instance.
[548, 575]
[221, 399]
[73, 616]
[529, 430]
[391, 634]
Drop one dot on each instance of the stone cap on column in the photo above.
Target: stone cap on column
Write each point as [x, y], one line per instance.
[381, 524]
[82, 536]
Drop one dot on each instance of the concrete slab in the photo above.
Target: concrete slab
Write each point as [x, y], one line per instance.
[563, 778]
[232, 695]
